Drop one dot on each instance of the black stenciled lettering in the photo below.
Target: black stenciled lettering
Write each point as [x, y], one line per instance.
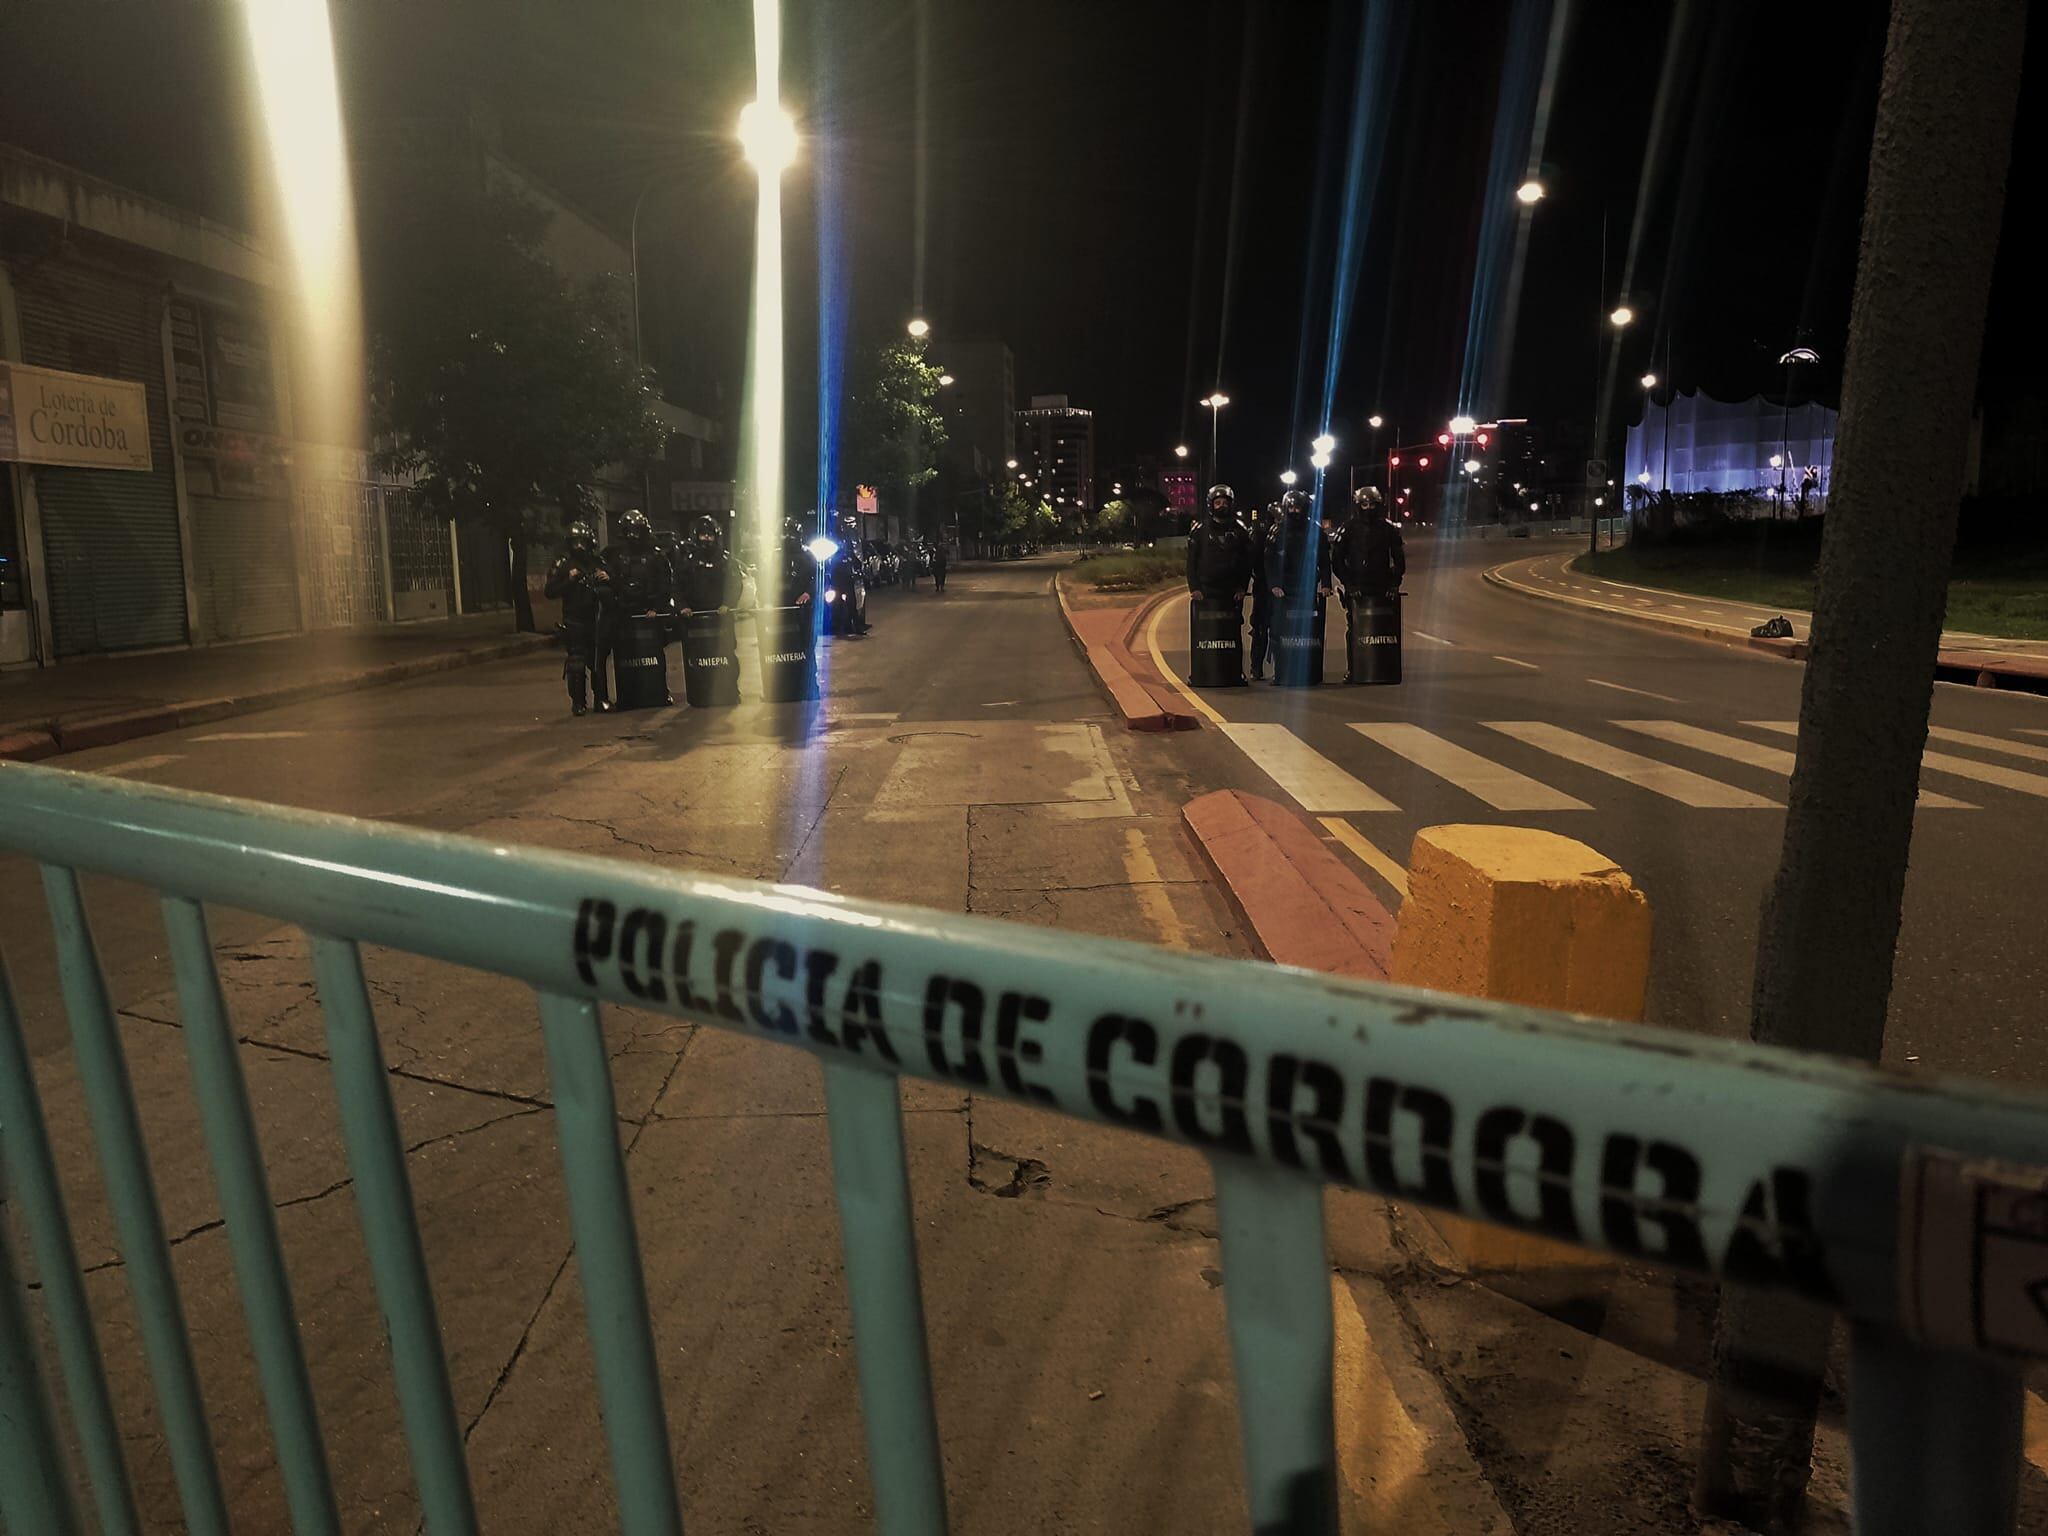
[640, 942]
[1783, 1210]
[1675, 1211]
[1142, 1041]
[594, 922]
[940, 993]
[1432, 1112]
[680, 949]
[781, 954]
[1285, 1076]
[819, 964]
[725, 953]
[1013, 1011]
[1189, 1052]
[860, 1017]
[1554, 1148]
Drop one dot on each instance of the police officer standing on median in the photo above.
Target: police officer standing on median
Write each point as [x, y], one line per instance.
[579, 579]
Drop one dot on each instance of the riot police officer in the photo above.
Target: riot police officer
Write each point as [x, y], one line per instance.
[1261, 523]
[580, 580]
[1369, 560]
[796, 566]
[640, 572]
[1298, 577]
[705, 577]
[1220, 550]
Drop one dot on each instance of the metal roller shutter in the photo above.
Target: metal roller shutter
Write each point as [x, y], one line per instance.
[242, 559]
[110, 537]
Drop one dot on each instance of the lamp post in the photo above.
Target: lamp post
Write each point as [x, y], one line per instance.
[1215, 402]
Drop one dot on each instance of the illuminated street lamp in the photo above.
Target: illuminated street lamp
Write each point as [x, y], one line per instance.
[945, 379]
[1215, 402]
[919, 329]
[1649, 381]
[1471, 466]
[1529, 193]
[1463, 426]
[1643, 477]
[1621, 316]
[1324, 444]
[767, 137]
[1375, 421]
[1288, 477]
[1012, 463]
[1180, 450]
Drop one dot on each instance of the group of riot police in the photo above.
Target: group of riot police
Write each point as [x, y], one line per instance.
[634, 596]
[1291, 562]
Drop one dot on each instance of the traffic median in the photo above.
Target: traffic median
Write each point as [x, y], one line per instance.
[1106, 627]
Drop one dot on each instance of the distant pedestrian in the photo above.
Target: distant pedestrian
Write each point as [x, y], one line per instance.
[579, 579]
[939, 557]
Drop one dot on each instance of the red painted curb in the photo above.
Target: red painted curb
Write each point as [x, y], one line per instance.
[27, 746]
[1102, 634]
[1299, 902]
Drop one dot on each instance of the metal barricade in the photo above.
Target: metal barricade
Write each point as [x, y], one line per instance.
[1912, 1206]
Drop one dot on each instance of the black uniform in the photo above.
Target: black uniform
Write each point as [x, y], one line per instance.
[1297, 556]
[579, 580]
[705, 576]
[939, 567]
[1220, 562]
[1368, 559]
[798, 567]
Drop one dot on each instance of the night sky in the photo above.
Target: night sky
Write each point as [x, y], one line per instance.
[1138, 194]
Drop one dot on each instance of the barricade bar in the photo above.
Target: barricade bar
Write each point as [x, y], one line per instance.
[1758, 1165]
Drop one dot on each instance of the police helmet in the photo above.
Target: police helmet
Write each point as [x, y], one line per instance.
[1368, 498]
[634, 527]
[581, 536]
[1296, 503]
[1221, 493]
[705, 527]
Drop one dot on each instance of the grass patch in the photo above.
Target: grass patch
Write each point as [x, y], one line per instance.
[1129, 572]
[1993, 591]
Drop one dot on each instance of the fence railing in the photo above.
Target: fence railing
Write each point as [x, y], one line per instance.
[1917, 1208]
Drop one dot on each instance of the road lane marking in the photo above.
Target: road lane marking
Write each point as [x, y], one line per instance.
[1498, 785]
[1167, 672]
[1385, 865]
[1423, 634]
[1316, 783]
[1680, 784]
[2029, 730]
[1989, 743]
[141, 764]
[1641, 693]
[257, 735]
[1941, 762]
[1754, 753]
[1151, 890]
[1514, 663]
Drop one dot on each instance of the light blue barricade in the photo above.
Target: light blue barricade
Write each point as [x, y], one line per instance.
[1876, 1195]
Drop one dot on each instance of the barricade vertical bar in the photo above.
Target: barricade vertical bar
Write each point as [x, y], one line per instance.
[872, 1177]
[35, 1492]
[376, 1156]
[237, 1157]
[608, 1264]
[31, 1182]
[1276, 1293]
[1935, 1438]
[124, 1162]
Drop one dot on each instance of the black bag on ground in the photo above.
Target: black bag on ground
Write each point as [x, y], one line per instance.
[711, 660]
[789, 654]
[641, 662]
[1376, 637]
[1216, 642]
[1298, 644]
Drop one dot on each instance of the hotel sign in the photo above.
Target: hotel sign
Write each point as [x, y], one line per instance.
[48, 417]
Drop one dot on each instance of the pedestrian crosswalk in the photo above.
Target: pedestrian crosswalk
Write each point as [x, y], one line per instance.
[1536, 767]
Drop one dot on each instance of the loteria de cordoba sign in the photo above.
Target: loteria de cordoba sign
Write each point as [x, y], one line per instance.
[48, 417]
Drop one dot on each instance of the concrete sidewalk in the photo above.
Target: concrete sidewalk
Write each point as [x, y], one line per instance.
[108, 699]
[1988, 660]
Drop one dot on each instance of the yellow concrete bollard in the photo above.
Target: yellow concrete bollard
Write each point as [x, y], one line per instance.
[1519, 915]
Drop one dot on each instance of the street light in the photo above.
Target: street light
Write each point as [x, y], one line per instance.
[1649, 381]
[1643, 477]
[919, 329]
[1012, 463]
[767, 137]
[1215, 402]
[1463, 426]
[1180, 450]
[1324, 443]
[1288, 477]
[1375, 421]
[945, 379]
[1621, 316]
[1530, 193]
[1471, 466]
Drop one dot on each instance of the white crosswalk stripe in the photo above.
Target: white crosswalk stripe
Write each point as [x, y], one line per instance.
[1317, 784]
[1754, 753]
[1499, 786]
[1988, 743]
[1680, 784]
[1943, 762]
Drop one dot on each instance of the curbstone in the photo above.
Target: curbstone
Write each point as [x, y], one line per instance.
[107, 730]
[27, 746]
[1103, 637]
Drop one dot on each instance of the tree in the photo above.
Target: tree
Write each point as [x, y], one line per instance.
[893, 431]
[1116, 519]
[498, 385]
[1025, 518]
[1831, 921]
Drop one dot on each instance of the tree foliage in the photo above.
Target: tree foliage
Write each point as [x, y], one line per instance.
[498, 385]
[893, 430]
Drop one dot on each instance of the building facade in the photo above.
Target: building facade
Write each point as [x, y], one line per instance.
[1056, 447]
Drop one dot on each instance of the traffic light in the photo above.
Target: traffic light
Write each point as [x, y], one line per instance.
[1482, 439]
[1443, 439]
[1423, 462]
[1393, 461]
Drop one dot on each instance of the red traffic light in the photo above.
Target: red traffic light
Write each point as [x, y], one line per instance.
[1394, 461]
[1443, 439]
[1423, 462]
[1482, 439]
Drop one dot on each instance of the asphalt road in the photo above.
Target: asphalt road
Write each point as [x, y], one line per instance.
[1517, 710]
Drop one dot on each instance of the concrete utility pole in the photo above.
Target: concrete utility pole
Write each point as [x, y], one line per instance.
[1831, 921]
